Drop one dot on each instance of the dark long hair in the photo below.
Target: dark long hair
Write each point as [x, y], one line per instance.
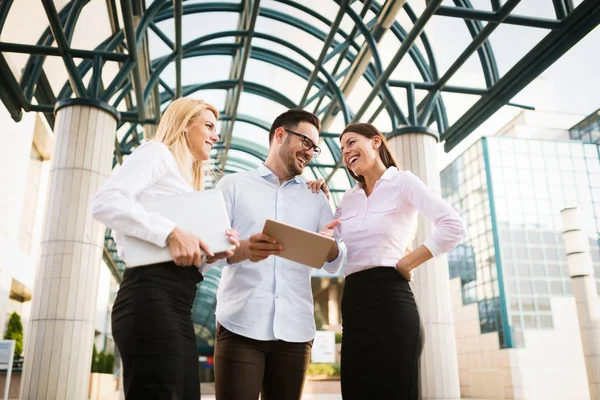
[369, 131]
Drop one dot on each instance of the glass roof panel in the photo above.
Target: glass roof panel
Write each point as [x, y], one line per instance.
[513, 42]
[249, 132]
[287, 83]
[260, 107]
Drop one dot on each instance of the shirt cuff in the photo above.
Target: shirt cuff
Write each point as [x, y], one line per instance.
[334, 266]
[161, 227]
[433, 248]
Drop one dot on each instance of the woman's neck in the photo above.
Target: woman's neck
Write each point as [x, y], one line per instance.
[372, 176]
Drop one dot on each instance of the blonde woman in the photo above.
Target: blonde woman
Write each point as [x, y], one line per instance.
[151, 317]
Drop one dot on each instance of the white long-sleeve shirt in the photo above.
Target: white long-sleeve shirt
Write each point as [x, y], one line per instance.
[378, 229]
[150, 170]
[270, 299]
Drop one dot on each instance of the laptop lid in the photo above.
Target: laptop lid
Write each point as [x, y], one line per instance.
[202, 213]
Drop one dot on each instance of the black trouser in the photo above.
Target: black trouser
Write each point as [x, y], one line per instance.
[246, 367]
[382, 337]
[152, 327]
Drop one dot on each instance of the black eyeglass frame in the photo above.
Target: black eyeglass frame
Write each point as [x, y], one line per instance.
[307, 143]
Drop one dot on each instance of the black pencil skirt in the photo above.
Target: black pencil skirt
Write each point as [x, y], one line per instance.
[382, 337]
[152, 328]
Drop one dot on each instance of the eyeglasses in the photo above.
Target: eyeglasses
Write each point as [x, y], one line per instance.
[307, 144]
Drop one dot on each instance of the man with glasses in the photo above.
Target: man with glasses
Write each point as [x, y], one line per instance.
[264, 302]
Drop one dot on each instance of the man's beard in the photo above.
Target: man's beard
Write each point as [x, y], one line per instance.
[286, 154]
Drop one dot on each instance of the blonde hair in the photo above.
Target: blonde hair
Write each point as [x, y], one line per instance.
[172, 132]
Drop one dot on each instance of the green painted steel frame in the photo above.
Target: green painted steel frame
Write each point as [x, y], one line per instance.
[508, 337]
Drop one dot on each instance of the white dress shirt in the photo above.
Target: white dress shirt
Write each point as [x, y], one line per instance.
[377, 229]
[270, 299]
[150, 170]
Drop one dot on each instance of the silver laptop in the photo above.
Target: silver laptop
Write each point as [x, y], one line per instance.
[202, 213]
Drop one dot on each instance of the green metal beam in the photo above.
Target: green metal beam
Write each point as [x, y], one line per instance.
[562, 8]
[10, 92]
[490, 16]
[55, 51]
[574, 27]
[351, 37]
[324, 50]
[428, 102]
[132, 48]
[237, 71]
[178, 17]
[63, 48]
[430, 9]
[4, 9]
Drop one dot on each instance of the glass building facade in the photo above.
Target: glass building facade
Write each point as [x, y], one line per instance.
[588, 130]
[510, 192]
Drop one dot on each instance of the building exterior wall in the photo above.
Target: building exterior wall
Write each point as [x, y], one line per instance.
[550, 366]
[516, 320]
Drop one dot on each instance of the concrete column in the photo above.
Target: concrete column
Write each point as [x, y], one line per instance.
[415, 150]
[581, 270]
[333, 303]
[58, 351]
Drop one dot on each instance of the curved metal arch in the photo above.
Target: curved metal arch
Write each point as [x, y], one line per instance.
[246, 146]
[197, 8]
[249, 87]
[4, 9]
[228, 49]
[486, 53]
[72, 18]
[162, 12]
[33, 67]
[428, 71]
[440, 115]
[281, 17]
[110, 44]
[392, 108]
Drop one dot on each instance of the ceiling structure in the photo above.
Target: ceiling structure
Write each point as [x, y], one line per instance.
[416, 65]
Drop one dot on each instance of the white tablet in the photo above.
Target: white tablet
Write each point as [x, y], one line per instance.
[300, 245]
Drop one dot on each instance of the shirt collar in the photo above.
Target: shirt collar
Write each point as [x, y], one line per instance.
[388, 175]
[265, 172]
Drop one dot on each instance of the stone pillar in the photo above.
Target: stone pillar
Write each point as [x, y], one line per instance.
[415, 150]
[333, 303]
[59, 349]
[581, 270]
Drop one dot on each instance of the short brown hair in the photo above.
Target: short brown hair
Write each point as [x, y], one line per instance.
[291, 118]
[369, 131]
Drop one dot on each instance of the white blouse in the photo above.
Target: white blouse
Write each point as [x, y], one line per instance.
[378, 229]
[150, 170]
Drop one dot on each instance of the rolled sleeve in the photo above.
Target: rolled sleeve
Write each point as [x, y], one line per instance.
[449, 227]
[227, 187]
[326, 216]
[115, 205]
[335, 265]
